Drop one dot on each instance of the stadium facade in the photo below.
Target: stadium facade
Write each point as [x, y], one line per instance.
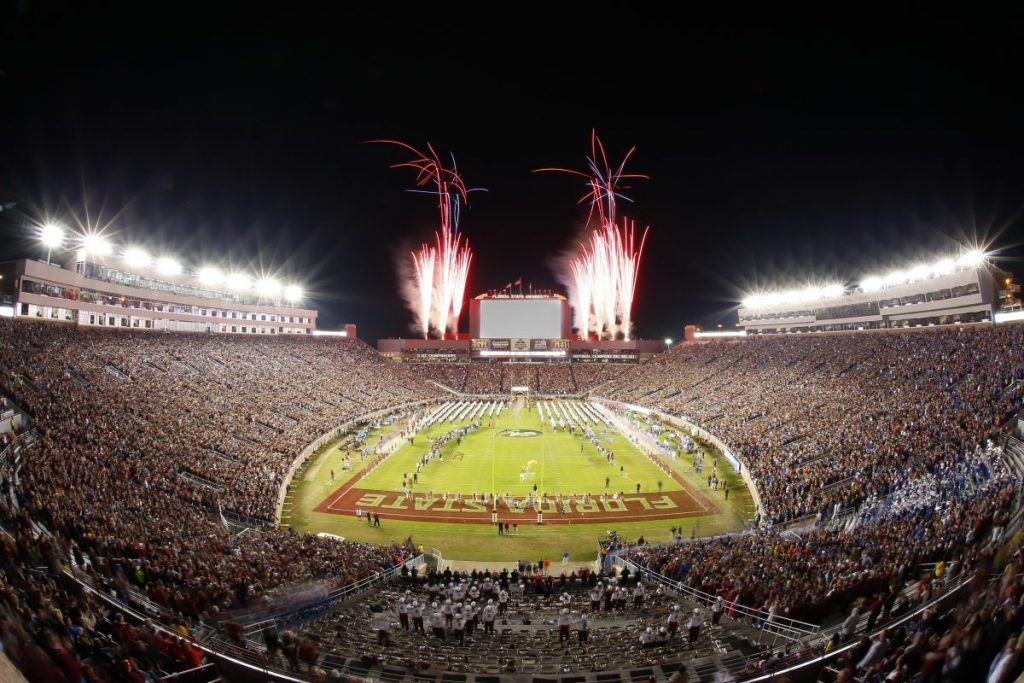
[91, 294]
[970, 295]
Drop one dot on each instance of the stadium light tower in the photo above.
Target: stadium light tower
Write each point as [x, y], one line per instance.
[668, 342]
[52, 237]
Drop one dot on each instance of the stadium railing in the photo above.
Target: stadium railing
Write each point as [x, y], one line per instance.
[776, 625]
[17, 445]
[799, 665]
[444, 387]
[228, 658]
[211, 667]
[1013, 451]
[232, 519]
[294, 615]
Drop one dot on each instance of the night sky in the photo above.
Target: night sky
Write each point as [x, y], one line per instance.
[780, 148]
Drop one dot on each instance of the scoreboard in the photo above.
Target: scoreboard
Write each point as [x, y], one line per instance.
[520, 319]
[528, 316]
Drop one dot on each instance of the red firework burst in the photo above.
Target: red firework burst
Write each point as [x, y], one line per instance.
[440, 270]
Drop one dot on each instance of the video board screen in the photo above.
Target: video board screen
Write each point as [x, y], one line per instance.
[520, 319]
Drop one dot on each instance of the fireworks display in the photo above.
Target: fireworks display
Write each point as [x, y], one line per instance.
[602, 276]
[436, 285]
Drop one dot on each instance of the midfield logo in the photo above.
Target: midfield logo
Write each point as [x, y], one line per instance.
[519, 433]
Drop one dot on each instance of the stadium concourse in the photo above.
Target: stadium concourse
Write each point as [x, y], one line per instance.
[885, 453]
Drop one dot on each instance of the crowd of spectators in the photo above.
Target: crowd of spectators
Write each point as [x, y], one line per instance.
[484, 379]
[122, 416]
[234, 413]
[980, 635]
[592, 375]
[810, 576]
[834, 419]
[556, 380]
[143, 436]
[552, 379]
[451, 375]
[53, 630]
[891, 423]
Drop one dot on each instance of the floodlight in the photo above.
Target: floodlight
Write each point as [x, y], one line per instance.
[166, 265]
[238, 281]
[944, 267]
[972, 259]
[209, 275]
[137, 258]
[896, 277]
[920, 272]
[268, 287]
[872, 284]
[52, 236]
[293, 293]
[94, 244]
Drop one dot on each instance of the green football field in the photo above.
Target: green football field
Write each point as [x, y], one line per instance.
[490, 460]
[499, 457]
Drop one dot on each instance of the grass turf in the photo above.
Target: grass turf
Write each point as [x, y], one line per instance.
[486, 461]
[556, 462]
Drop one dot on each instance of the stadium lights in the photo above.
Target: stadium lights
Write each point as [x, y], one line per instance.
[794, 296]
[165, 265]
[872, 284]
[972, 258]
[668, 342]
[210, 276]
[238, 281]
[896, 277]
[137, 258]
[920, 272]
[52, 237]
[94, 244]
[268, 287]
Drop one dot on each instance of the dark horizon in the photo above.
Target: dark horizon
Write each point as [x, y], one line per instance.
[778, 150]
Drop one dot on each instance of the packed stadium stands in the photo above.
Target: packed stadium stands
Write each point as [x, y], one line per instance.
[556, 379]
[141, 438]
[830, 420]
